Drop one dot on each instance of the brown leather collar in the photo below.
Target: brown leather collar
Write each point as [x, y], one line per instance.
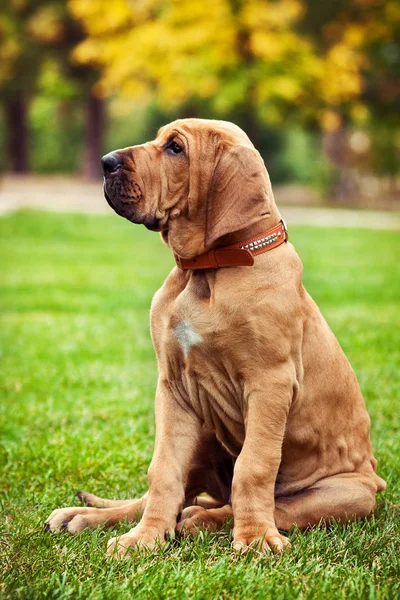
[237, 255]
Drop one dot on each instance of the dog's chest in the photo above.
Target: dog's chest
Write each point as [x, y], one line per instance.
[186, 335]
[195, 356]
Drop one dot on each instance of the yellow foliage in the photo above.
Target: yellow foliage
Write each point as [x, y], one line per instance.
[330, 120]
[267, 15]
[9, 51]
[340, 77]
[45, 25]
[102, 17]
[177, 52]
[248, 51]
[183, 48]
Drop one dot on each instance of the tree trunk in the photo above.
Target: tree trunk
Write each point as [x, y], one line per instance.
[249, 122]
[16, 113]
[336, 148]
[94, 133]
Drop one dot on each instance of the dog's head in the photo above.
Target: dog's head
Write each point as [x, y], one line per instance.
[198, 181]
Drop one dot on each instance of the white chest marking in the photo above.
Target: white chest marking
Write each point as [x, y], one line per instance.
[186, 336]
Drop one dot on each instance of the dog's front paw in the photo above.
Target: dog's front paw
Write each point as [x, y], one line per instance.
[270, 540]
[140, 537]
[73, 520]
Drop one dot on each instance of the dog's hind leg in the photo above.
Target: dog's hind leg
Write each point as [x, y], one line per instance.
[205, 501]
[96, 501]
[101, 511]
[196, 517]
[77, 518]
[344, 497]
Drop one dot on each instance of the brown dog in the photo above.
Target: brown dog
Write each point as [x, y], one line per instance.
[256, 403]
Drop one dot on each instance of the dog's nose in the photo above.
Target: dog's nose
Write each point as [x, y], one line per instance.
[110, 162]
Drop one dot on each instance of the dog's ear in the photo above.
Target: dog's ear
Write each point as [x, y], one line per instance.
[239, 194]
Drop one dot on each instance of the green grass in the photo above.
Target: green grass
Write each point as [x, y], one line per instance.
[78, 375]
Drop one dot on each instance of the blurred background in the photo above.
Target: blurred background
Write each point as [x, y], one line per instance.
[315, 84]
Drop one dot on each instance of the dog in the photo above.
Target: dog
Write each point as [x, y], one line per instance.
[256, 404]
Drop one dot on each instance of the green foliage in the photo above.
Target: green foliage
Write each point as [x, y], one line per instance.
[386, 145]
[78, 379]
[55, 138]
[29, 31]
[132, 123]
[56, 121]
[302, 160]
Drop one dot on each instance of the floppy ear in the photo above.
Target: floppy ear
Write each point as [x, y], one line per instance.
[240, 192]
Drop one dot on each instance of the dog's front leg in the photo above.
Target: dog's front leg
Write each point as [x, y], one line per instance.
[257, 466]
[178, 432]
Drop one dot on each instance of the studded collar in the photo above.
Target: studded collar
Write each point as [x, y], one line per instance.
[240, 254]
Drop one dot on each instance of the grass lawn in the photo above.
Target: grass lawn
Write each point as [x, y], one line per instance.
[78, 375]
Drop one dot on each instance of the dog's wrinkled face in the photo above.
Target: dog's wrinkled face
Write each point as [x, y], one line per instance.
[197, 181]
[148, 181]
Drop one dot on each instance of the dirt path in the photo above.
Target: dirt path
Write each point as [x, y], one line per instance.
[69, 194]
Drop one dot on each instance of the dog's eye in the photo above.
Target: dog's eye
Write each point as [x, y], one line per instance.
[174, 148]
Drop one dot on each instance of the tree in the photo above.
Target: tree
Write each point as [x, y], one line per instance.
[368, 31]
[32, 33]
[84, 78]
[20, 60]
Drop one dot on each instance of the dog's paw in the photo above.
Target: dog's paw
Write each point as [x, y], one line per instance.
[273, 541]
[73, 520]
[194, 518]
[141, 537]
